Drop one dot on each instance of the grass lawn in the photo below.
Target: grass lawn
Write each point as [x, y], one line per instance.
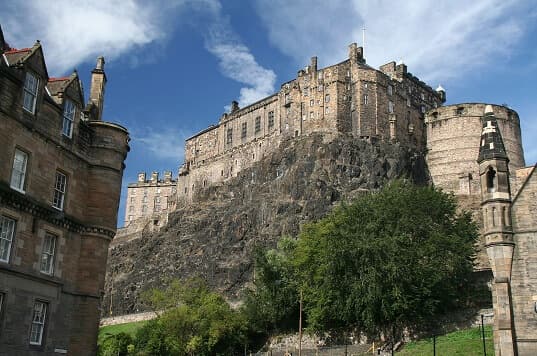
[466, 342]
[129, 328]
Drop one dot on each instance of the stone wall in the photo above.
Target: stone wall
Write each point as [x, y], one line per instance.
[524, 268]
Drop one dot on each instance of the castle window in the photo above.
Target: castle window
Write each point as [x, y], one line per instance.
[423, 109]
[68, 117]
[244, 129]
[145, 199]
[271, 119]
[132, 200]
[408, 102]
[365, 99]
[312, 102]
[229, 138]
[327, 110]
[131, 208]
[257, 124]
[18, 174]
[7, 232]
[60, 186]
[491, 177]
[312, 115]
[366, 85]
[390, 107]
[390, 90]
[30, 92]
[306, 91]
[47, 254]
[320, 87]
[422, 96]
[287, 99]
[131, 218]
[327, 98]
[38, 323]
[144, 208]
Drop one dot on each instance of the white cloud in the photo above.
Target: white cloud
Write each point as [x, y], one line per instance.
[438, 40]
[75, 32]
[236, 61]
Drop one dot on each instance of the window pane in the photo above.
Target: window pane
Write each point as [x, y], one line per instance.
[7, 229]
[19, 170]
[47, 255]
[59, 190]
[68, 117]
[38, 323]
[30, 92]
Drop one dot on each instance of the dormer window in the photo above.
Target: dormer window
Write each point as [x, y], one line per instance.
[30, 92]
[68, 117]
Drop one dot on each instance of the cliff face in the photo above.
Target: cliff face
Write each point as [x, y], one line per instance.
[214, 237]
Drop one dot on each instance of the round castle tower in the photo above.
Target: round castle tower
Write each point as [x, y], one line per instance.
[453, 140]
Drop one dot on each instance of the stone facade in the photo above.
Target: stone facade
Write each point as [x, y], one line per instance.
[151, 199]
[510, 231]
[349, 97]
[60, 177]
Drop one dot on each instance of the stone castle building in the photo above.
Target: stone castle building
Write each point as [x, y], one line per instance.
[151, 199]
[349, 97]
[61, 167]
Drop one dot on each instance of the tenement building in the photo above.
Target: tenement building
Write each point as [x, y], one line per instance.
[349, 97]
[61, 167]
[150, 199]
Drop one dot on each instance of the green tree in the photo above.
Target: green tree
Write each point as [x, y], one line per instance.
[272, 304]
[398, 257]
[195, 321]
[114, 345]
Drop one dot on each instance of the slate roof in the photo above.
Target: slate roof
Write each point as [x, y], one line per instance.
[491, 145]
[15, 56]
[57, 85]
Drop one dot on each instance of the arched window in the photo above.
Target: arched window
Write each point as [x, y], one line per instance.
[491, 177]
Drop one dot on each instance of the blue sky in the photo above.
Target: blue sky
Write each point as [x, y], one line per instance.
[174, 66]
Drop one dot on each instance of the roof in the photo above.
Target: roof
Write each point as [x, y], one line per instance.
[15, 56]
[491, 146]
[57, 85]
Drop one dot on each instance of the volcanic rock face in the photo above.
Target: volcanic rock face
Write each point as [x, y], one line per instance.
[216, 235]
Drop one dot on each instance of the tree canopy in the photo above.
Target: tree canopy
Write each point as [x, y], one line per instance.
[399, 256]
[196, 321]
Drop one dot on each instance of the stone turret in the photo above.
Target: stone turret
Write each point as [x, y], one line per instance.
[497, 227]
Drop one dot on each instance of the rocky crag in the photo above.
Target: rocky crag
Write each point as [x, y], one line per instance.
[215, 237]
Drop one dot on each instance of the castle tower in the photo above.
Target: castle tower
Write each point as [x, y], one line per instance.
[497, 229]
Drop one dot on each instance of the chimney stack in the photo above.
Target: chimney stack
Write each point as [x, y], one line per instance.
[154, 177]
[234, 106]
[167, 176]
[141, 177]
[313, 65]
[98, 83]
